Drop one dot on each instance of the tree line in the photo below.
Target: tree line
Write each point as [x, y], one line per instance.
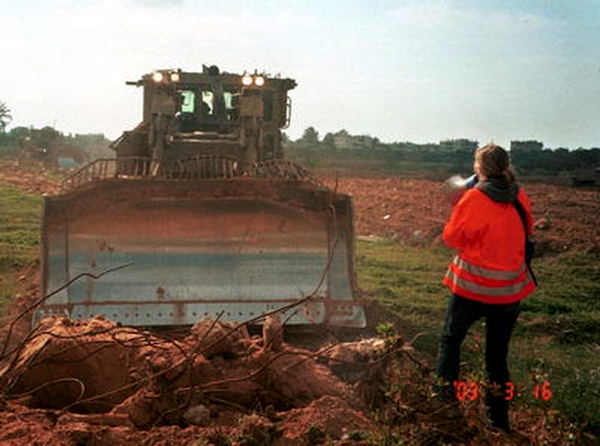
[47, 143]
[339, 149]
[451, 155]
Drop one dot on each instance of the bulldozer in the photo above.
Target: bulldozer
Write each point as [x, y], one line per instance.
[199, 215]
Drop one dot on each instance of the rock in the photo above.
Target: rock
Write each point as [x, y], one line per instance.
[78, 433]
[255, 429]
[273, 333]
[99, 419]
[542, 224]
[418, 238]
[198, 415]
[361, 351]
[370, 238]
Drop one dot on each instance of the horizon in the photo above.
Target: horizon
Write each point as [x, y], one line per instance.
[479, 143]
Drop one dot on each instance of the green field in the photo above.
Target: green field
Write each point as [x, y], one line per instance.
[19, 238]
[557, 339]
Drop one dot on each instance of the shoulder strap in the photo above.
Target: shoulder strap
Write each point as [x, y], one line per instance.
[521, 212]
[517, 204]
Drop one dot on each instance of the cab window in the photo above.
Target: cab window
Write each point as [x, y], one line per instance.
[208, 105]
[188, 101]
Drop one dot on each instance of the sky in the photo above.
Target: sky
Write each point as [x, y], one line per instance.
[400, 70]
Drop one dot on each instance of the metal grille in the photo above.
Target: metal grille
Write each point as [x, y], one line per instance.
[202, 167]
[99, 169]
[107, 168]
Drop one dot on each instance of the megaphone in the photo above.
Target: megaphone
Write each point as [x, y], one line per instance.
[456, 186]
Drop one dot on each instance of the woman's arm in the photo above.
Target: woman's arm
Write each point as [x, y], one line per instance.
[462, 229]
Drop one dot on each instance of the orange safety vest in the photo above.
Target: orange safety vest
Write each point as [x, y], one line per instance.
[490, 239]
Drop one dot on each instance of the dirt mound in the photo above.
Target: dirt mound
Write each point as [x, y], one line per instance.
[328, 416]
[107, 382]
[94, 365]
[76, 360]
[404, 209]
[36, 181]
[23, 426]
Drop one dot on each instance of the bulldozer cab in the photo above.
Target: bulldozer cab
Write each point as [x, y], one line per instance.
[187, 115]
[202, 107]
[204, 212]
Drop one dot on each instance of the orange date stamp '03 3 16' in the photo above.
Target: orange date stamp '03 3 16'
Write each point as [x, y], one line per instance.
[469, 390]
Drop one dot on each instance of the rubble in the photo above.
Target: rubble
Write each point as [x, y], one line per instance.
[94, 381]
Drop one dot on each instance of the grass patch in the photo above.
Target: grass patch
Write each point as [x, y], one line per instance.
[19, 238]
[566, 305]
[556, 340]
[408, 282]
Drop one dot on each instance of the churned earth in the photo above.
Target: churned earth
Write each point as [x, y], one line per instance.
[414, 210]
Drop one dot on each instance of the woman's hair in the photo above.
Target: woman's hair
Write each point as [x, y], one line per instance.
[494, 162]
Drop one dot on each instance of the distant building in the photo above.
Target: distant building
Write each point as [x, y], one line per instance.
[460, 144]
[344, 141]
[526, 146]
[90, 138]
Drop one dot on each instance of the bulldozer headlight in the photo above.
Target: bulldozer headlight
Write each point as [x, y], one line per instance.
[157, 77]
[259, 81]
[174, 77]
[247, 79]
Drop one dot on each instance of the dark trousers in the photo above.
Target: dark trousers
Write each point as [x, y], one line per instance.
[500, 320]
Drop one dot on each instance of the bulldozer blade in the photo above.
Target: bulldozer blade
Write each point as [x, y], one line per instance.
[234, 249]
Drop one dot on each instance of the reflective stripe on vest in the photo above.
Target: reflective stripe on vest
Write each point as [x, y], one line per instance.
[508, 290]
[487, 282]
[488, 273]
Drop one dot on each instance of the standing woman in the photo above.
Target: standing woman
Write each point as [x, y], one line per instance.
[488, 277]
